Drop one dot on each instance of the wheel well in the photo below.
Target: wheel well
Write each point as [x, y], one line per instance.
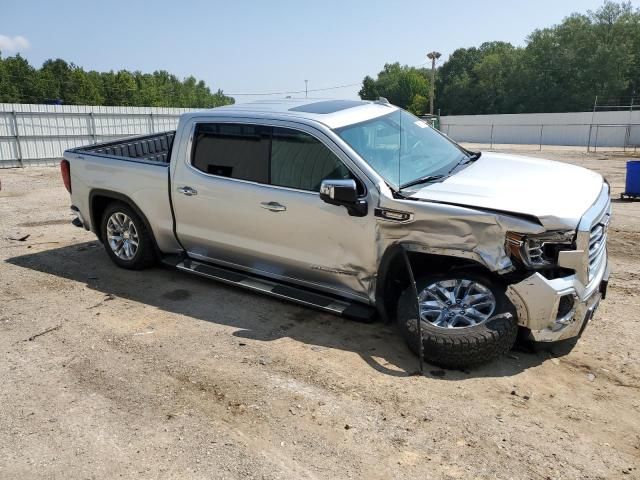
[99, 204]
[99, 200]
[393, 277]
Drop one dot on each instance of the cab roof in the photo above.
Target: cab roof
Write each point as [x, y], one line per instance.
[334, 113]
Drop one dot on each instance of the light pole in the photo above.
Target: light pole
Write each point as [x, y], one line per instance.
[433, 56]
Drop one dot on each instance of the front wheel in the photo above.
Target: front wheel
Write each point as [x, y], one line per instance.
[461, 319]
[126, 238]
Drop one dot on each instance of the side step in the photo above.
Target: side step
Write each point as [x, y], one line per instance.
[344, 307]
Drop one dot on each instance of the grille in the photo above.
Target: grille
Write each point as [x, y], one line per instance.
[598, 240]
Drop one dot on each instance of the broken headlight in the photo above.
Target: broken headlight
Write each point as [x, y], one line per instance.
[539, 250]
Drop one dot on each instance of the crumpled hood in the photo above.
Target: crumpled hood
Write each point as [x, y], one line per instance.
[558, 194]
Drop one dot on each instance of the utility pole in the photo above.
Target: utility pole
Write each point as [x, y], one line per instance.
[593, 114]
[306, 88]
[433, 56]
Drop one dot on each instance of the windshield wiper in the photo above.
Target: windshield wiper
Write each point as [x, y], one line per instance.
[464, 160]
[473, 157]
[431, 178]
[425, 179]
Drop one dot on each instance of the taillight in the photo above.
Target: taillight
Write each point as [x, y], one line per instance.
[65, 170]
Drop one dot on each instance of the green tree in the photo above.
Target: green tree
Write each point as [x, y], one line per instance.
[397, 83]
[54, 76]
[419, 105]
[81, 89]
[26, 88]
[9, 92]
[58, 80]
[561, 68]
[369, 91]
[480, 80]
[586, 55]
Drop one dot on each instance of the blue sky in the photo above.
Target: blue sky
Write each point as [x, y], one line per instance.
[266, 46]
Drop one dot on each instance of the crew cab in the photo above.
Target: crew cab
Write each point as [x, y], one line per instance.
[339, 204]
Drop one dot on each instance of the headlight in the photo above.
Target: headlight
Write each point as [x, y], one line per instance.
[538, 251]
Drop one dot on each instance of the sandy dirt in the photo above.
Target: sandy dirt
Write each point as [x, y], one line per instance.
[158, 374]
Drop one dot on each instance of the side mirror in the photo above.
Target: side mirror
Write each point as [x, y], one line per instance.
[344, 193]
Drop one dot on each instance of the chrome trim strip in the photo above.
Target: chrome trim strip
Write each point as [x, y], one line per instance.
[256, 284]
[596, 210]
[266, 287]
[586, 264]
[277, 277]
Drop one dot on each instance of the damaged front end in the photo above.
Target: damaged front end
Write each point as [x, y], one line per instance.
[558, 308]
[453, 231]
[555, 278]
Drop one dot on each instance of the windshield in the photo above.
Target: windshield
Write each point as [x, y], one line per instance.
[402, 148]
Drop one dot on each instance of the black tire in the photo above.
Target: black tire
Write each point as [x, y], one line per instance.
[145, 255]
[459, 348]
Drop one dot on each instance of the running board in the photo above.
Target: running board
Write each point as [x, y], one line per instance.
[354, 310]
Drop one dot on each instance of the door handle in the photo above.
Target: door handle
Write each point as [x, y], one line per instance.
[273, 206]
[188, 191]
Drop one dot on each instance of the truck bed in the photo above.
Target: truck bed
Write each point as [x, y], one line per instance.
[152, 148]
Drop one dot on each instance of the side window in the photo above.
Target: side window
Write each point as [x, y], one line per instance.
[300, 161]
[232, 150]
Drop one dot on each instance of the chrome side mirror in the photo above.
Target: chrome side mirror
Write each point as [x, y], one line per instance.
[343, 192]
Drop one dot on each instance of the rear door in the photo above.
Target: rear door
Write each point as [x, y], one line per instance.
[248, 197]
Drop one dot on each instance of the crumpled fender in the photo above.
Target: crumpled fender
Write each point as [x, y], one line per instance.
[451, 230]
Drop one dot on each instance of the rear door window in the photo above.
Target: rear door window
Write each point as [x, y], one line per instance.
[232, 150]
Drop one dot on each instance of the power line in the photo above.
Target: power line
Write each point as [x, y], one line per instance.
[295, 91]
[305, 91]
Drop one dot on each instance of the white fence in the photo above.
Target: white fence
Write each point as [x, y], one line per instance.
[588, 129]
[38, 134]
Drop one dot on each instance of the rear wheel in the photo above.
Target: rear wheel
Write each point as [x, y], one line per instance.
[461, 319]
[126, 238]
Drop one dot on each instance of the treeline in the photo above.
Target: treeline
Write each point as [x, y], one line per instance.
[407, 87]
[560, 69]
[60, 82]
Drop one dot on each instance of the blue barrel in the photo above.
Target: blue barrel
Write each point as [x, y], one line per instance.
[632, 185]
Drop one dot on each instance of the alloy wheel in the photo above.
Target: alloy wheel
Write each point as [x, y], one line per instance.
[456, 303]
[122, 236]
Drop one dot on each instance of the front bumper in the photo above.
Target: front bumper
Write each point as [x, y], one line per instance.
[539, 307]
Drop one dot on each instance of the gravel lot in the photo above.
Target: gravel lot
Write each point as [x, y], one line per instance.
[158, 374]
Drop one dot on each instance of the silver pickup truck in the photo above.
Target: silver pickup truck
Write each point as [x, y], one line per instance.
[338, 204]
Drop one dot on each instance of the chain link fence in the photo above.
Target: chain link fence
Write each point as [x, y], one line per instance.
[591, 136]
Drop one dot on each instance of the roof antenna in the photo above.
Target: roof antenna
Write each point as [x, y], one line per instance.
[383, 100]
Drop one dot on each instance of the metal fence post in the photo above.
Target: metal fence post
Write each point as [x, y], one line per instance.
[14, 115]
[589, 139]
[491, 136]
[92, 126]
[541, 130]
[595, 145]
[627, 137]
[151, 125]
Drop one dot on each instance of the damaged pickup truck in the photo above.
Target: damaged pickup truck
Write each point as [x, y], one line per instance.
[329, 202]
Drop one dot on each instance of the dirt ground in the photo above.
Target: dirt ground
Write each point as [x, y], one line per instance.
[158, 374]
